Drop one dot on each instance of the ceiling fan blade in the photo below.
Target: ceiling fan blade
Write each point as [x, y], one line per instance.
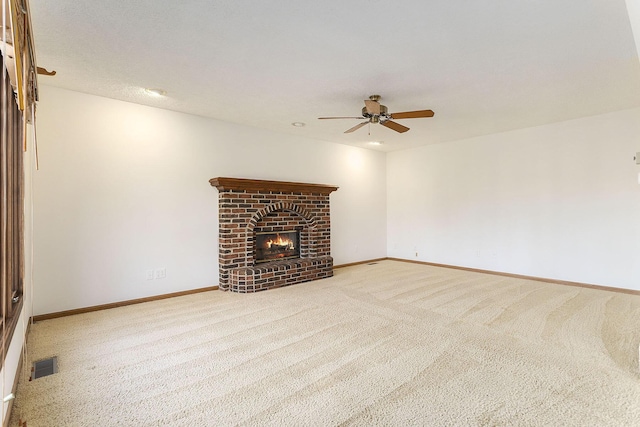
[356, 127]
[329, 118]
[373, 107]
[395, 126]
[412, 114]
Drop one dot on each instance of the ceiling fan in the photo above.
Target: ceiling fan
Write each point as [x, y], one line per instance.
[374, 112]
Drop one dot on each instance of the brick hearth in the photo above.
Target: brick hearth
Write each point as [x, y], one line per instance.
[249, 206]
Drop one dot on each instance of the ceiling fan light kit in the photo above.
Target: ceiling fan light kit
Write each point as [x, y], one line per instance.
[374, 112]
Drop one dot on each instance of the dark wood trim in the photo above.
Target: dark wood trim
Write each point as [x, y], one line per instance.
[119, 304]
[226, 184]
[351, 264]
[433, 264]
[11, 212]
[521, 276]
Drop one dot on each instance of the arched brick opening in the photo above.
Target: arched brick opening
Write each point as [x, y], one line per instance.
[284, 216]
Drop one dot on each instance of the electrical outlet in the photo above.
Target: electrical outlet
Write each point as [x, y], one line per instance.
[149, 274]
[161, 273]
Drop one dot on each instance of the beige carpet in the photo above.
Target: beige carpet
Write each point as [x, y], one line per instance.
[391, 344]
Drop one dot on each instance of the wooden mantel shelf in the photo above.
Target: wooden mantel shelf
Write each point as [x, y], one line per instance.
[226, 184]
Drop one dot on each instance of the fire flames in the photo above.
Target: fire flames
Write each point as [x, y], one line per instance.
[280, 242]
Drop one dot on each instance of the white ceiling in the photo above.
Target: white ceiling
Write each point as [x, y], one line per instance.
[483, 66]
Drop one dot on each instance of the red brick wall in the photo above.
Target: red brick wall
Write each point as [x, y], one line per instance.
[244, 212]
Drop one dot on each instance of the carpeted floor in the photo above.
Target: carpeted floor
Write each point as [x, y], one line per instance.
[390, 344]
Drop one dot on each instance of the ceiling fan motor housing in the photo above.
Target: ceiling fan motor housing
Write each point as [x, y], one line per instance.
[382, 116]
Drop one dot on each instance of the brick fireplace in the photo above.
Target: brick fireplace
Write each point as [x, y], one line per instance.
[250, 208]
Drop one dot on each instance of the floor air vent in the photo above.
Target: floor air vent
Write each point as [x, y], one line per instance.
[45, 367]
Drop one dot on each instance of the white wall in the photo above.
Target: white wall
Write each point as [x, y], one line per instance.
[560, 201]
[633, 8]
[123, 188]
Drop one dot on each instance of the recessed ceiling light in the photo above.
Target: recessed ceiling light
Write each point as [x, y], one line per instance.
[298, 124]
[375, 143]
[156, 92]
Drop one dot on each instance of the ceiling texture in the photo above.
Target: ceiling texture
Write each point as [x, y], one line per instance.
[483, 67]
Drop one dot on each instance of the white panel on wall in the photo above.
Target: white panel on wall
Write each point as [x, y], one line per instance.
[123, 190]
[558, 201]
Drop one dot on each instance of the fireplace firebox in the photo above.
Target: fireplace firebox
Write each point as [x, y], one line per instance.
[271, 246]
